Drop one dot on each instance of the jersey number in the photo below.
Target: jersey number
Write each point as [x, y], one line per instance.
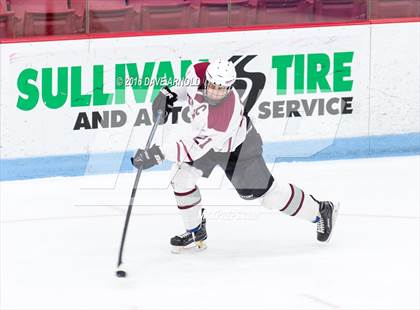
[202, 141]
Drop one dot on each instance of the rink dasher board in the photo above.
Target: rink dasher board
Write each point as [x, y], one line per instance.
[381, 106]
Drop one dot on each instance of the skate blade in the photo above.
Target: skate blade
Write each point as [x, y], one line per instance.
[334, 218]
[191, 248]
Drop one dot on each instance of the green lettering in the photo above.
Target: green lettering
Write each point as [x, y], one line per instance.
[30, 90]
[281, 63]
[164, 76]
[318, 78]
[120, 83]
[77, 99]
[140, 89]
[341, 71]
[185, 64]
[299, 74]
[99, 97]
[140, 86]
[55, 101]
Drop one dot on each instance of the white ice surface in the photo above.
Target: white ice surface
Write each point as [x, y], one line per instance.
[60, 239]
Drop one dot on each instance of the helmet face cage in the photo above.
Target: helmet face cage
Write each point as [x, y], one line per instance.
[215, 93]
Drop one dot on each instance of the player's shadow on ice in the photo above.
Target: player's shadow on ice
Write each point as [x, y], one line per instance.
[245, 250]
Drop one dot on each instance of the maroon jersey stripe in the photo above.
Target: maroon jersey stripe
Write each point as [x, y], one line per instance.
[178, 151]
[219, 116]
[186, 151]
[200, 70]
[199, 98]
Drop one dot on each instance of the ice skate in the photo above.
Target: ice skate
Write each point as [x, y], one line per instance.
[328, 212]
[191, 241]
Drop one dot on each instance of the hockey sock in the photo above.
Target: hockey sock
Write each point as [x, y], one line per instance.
[189, 207]
[187, 194]
[292, 201]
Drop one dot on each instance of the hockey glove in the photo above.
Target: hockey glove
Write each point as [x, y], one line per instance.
[164, 102]
[147, 159]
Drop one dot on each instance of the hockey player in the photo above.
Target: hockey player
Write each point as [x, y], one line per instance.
[222, 135]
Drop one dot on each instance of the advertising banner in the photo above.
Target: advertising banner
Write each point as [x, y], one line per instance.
[304, 89]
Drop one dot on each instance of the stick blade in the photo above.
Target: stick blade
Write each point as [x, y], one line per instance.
[121, 273]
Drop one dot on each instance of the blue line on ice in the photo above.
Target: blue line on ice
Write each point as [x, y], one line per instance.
[305, 150]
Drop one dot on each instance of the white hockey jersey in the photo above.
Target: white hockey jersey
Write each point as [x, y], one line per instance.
[221, 128]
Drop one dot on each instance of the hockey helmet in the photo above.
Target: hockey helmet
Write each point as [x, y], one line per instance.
[220, 76]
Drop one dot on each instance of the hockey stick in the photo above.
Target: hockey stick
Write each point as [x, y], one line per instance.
[121, 273]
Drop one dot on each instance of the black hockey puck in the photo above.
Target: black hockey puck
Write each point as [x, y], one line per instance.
[121, 273]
